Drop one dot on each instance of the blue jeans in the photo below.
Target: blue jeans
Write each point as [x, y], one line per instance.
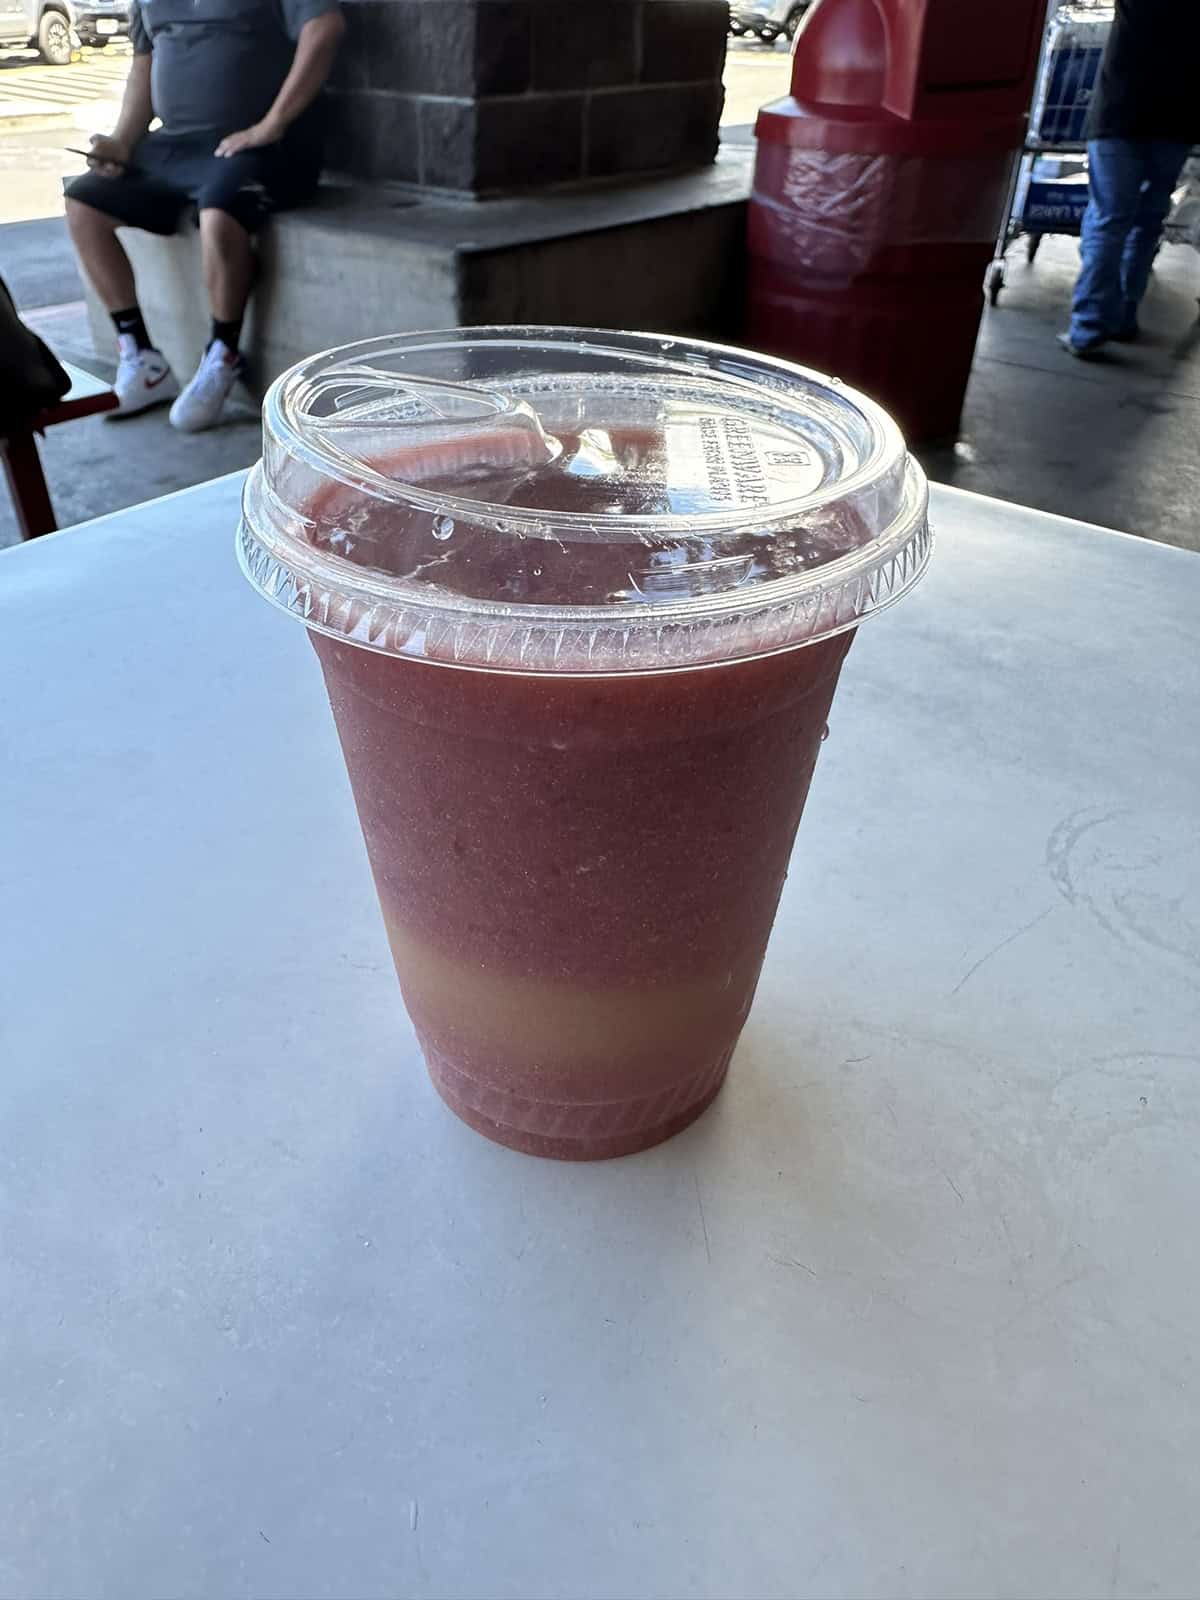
[1129, 194]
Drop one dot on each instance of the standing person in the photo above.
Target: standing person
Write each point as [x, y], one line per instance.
[1143, 120]
[235, 84]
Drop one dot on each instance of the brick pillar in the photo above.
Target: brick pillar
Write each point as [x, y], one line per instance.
[486, 97]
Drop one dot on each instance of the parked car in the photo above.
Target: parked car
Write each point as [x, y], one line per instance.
[47, 25]
[766, 19]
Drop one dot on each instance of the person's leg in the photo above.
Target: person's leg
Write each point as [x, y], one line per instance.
[233, 201]
[1114, 184]
[96, 207]
[101, 253]
[228, 253]
[103, 258]
[1162, 162]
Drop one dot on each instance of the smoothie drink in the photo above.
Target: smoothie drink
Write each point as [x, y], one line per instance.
[581, 605]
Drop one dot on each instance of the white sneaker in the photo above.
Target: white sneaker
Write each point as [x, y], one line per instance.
[201, 403]
[143, 379]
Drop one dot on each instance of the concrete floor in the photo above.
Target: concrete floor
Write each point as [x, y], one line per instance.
[1115, 442]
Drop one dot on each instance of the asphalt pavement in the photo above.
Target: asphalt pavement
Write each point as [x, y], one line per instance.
[754, 74]
[32, 93]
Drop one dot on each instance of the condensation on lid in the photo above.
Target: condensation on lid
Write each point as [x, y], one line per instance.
[573, 500]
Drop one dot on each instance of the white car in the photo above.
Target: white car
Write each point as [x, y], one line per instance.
[53, 26]
[766, 19]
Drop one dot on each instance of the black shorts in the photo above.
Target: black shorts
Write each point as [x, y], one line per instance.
[169, 173]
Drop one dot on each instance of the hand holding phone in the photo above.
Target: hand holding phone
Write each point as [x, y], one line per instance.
[107, 156]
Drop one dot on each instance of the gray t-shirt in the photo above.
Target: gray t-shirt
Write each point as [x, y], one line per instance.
[217, 65]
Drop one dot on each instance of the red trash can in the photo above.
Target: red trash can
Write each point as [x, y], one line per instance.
[879, 189]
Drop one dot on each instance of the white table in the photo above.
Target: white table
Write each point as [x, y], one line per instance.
[912, 1311]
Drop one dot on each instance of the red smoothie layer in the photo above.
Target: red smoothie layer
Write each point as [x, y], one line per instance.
[579, 874]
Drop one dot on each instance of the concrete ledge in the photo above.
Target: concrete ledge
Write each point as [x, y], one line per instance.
[657, 255]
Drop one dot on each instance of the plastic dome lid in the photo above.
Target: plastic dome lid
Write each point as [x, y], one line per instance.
[577, 501]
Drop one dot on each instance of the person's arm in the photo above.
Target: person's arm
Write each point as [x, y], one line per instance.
[316, 47]
[111, 151]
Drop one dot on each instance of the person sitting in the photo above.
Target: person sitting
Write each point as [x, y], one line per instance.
[236, 85]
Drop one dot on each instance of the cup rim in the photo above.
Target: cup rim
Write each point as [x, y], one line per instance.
[370, 608]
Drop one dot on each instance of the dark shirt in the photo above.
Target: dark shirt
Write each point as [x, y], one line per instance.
[1149, 84]
[217, 65]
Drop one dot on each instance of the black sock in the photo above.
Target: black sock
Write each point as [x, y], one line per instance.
[132, 321]
[228, 332]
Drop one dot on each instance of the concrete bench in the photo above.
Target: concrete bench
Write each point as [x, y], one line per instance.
[662, 254]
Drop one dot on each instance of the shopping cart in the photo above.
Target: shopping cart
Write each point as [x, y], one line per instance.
[1049, 193]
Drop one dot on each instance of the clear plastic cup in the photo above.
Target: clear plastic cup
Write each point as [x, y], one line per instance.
[581, 600]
